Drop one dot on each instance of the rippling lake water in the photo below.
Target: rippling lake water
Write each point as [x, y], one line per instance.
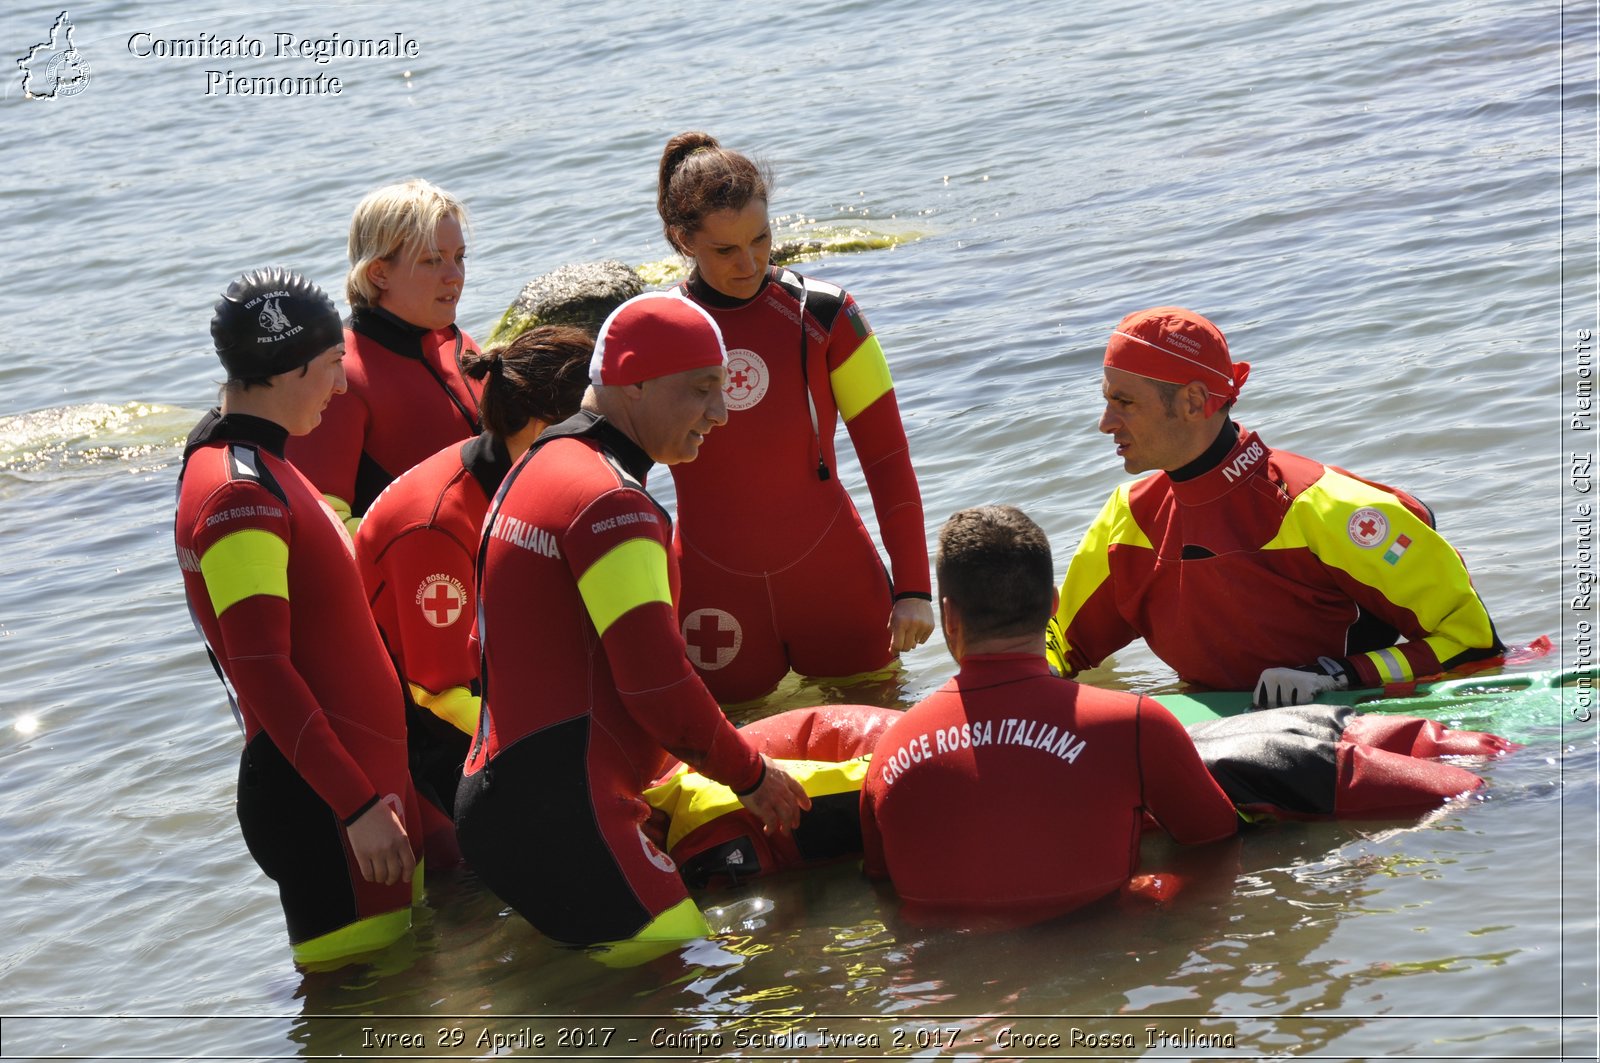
[1388, 207]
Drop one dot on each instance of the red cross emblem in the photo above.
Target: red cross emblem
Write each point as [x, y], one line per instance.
[747, 379]
[442, 600]
[713, 638]
[1368, 527]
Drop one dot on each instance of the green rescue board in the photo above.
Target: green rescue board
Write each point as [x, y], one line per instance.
[1514, 705]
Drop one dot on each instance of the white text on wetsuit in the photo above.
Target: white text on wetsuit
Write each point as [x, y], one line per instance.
[240, 512]
[622, 518]
[1033, 734]
[1241, 465]
[521, 533]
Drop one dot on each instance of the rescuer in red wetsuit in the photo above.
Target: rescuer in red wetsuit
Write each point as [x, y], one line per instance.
[778, 570]
[1009, 789]
[1243, 568]
[325, 799]
[418, 550]
[407, 397]
[586, 687]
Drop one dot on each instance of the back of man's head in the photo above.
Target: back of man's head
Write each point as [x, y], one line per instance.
[994, 566]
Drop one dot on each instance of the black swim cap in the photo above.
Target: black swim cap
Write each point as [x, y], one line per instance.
[270, 321]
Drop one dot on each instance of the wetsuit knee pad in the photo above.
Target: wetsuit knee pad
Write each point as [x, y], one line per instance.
[563, 848]
[362, 936]
[678, 924]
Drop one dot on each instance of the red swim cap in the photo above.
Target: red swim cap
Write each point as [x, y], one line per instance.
[655, 334]
[1175, 345]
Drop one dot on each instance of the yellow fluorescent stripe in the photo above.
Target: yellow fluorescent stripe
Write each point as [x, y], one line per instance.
[1091, 563]
[1431, 580]
[1392, 665]
[861, 380]
[456, 706]
[691, 800]
[363, 935]
[631, 574]
[244, 564]
[667, 931]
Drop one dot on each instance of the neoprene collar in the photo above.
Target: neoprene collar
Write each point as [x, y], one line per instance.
[216, 426]
[401, 337]
[587, 424]
[1220, 447]
[706, 295]
[405, 339]
[485, 456]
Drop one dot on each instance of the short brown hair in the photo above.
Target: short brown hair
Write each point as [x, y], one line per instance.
[994, 565]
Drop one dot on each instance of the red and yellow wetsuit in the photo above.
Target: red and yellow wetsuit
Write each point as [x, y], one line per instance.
[586, 692]
[272, 584]
[1010, 789]
[778, 570]
[1267, 559]
[405, 399]
[418, 552]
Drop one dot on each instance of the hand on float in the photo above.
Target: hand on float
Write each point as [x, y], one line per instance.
[383, 852]
[1300, 686]
[777, 799]
[910, 623]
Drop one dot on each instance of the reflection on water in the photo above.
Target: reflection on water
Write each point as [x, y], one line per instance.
[46, 444]
[1248, 954]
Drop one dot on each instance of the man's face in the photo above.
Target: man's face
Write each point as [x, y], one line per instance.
[675, 412]
[1148, 435]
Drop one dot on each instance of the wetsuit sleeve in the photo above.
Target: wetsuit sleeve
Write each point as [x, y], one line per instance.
[429, 575]
[617, 549]
[1088, 627]
[330, 453]
[1174, 785]
[864, 393]
[243, 540]
[1410, 577]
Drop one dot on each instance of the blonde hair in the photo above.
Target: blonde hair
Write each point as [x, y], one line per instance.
[399, 218]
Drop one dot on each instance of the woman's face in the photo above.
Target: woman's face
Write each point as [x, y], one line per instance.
[731, 248]
[423, 289]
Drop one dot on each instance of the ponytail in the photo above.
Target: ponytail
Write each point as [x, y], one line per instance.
[541, 375]
[698, 176]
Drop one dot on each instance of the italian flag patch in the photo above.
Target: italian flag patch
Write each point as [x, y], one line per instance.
[858, 321]
[1397, 550]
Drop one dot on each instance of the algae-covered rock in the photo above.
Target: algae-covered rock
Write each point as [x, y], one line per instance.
[799, 248]
[835, 241]
[581, 294]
